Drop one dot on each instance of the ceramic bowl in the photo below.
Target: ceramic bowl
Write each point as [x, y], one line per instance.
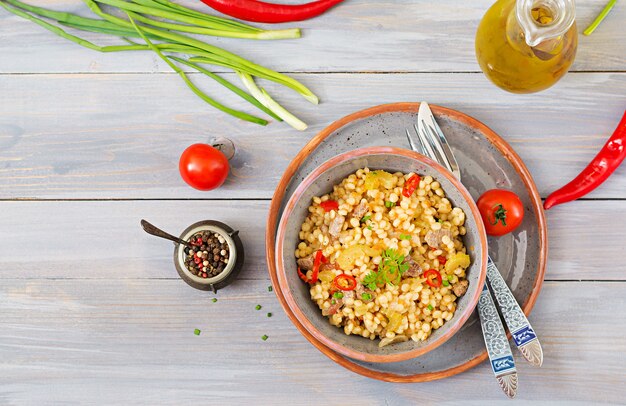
[320, 182]
[236, 256]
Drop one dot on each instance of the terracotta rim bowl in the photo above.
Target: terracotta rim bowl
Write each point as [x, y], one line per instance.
[396, 352]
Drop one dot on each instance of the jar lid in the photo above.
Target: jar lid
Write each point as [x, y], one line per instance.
[235, 256]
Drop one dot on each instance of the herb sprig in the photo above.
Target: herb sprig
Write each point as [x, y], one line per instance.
[390, 270]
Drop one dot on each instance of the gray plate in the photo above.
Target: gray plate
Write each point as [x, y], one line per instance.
[485, 165]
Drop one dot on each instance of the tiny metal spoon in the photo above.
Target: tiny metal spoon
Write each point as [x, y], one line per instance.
[151, 229]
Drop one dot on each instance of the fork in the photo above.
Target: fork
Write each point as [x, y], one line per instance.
[433, 144]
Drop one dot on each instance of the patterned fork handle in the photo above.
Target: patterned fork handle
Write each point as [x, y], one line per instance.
[500, 355]
[523, 334]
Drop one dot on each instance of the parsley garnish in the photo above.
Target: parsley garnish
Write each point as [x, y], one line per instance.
[365, 218]
[405, 237]
[390, 270]
[389, 204]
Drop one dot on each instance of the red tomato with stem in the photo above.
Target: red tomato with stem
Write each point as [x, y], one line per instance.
[502, 211]
[203, 167]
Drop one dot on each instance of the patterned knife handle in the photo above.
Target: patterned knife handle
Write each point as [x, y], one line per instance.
[497, 344]
[523, 334]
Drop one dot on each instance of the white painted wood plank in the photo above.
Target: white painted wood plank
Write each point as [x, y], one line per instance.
[122, 342]
[385, 35]
[120, 136]
[103, 240]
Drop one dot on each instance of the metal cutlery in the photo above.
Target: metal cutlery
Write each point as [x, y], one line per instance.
[431, 142]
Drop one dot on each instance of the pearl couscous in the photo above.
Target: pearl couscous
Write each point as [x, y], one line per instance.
[384, 255]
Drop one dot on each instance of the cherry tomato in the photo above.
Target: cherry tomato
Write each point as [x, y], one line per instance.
[203, 167]
[502, 211]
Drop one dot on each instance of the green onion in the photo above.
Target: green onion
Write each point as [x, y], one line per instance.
[269, 288]
[369, 227]
[139, 11]
[333, 301]
[214, 300]
[228, 85]
[389, 204]
[405, 237]
[264, 337]
[273, 34]
[198, 92]
[605, 11]
[430, 307]
[445, 282]
[269, 314]
[258, 307]
[196, 332]
[366, 296]
[197, 25]
[365, 218]
[337, 295]
[262, 96]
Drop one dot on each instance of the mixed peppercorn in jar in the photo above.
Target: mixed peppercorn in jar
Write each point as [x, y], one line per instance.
[384, 256]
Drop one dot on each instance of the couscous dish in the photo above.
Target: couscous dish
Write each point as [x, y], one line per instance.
[384, 256]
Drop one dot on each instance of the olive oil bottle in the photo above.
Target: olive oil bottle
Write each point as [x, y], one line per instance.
[525, 46]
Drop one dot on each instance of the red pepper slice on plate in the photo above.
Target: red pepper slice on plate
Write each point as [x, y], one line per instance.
[330, 205]
[344, 282]
[600, 168]
[262, 12]
[410, 185]
[319, 259]
[302, 276]
[433, 278]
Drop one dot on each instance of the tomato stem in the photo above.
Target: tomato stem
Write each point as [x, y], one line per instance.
[499, 215]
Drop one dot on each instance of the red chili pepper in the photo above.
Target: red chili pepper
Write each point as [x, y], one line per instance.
[435, 281]
[410, 185]
[262, 12]
[319, 259]
[442, 260]
[344, 282]
[329, 205]
[302, 276]
[600, 168]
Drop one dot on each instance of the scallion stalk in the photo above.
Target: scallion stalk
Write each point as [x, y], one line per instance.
[262, 96]
[182, 39]
[228, 85]
[270, 34]
[198, 92]
[605, 11]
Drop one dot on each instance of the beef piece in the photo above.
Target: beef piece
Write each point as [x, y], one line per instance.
[336, 225]
[360, 210]
[460, 288]
[433, 238]
[414, 268]
[306, 263]
[334, 308]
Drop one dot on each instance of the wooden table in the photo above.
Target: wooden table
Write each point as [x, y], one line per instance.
[91, 308]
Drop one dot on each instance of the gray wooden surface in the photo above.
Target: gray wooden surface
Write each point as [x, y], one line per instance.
[91, 309]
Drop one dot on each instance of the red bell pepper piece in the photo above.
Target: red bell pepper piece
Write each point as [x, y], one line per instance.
[410, 185]
[329, 205]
